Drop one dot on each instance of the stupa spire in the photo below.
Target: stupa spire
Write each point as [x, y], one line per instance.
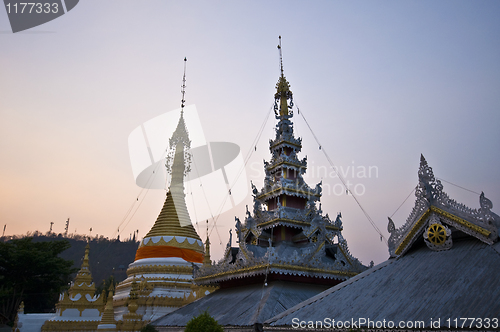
[173, 234]
[84, 277]
[169, 252]
[183, 91]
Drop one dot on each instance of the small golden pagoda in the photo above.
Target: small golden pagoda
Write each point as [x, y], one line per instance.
[108, 322]
[164, 261]
[132, 321]
[79, 309]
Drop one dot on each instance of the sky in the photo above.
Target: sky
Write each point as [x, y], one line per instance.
[379, 83]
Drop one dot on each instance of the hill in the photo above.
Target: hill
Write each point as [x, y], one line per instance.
[107, 257]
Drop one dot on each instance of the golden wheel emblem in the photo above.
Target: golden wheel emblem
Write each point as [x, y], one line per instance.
[436, 234]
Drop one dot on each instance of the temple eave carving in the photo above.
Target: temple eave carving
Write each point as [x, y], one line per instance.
[282, 269]
[434, 209]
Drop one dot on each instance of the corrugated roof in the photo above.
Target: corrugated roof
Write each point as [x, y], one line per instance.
[419, 286]
[245, 305]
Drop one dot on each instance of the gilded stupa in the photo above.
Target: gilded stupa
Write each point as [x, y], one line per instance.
[163, 266]
[79, 309]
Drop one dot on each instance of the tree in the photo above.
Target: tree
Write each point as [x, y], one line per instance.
[104, 287]
[33, 273]
[203, 323]
[149, 328]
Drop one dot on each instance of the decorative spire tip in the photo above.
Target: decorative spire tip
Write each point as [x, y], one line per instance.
[183, 91]
[281, 56]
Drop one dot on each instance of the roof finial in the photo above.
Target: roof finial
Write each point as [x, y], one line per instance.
[281, 56]
[206, 259]
[283, 93]
[183, 86]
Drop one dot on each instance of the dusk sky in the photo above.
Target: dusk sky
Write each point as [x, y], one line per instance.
[379, 82]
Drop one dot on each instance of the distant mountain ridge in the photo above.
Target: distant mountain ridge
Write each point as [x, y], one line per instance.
[107, 257]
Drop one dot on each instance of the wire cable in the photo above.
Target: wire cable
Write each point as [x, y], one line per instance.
[149, 182]
[411, 192]
[456, 185]
[342, 178]
[252, 149]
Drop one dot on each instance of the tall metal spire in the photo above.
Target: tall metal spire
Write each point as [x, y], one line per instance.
[281, 56]
[183, 91]
[179, 142]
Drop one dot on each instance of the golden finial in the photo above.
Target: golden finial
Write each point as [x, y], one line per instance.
[86, 257]
[206, 259]
[21, 308]
[134, 289]
[282, 108]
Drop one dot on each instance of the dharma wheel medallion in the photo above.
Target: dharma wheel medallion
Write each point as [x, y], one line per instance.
[436, 234]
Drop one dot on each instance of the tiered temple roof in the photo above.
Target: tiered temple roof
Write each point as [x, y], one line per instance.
[286, 236]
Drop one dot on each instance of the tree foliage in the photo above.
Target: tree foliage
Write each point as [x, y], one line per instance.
[33, 273]
[104, 287]
[107, 256]
[149, 328]
[203, 323]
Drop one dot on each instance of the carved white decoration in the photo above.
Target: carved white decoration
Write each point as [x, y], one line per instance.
[430, 195]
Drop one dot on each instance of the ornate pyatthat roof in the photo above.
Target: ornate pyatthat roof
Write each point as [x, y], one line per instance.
[83, 281]
[173, 235]
[436, 218]
[284, 172]
[290, 238]
[81, 294]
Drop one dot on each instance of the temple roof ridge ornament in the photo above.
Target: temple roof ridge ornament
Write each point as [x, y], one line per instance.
[282, 109]
[436, 217]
